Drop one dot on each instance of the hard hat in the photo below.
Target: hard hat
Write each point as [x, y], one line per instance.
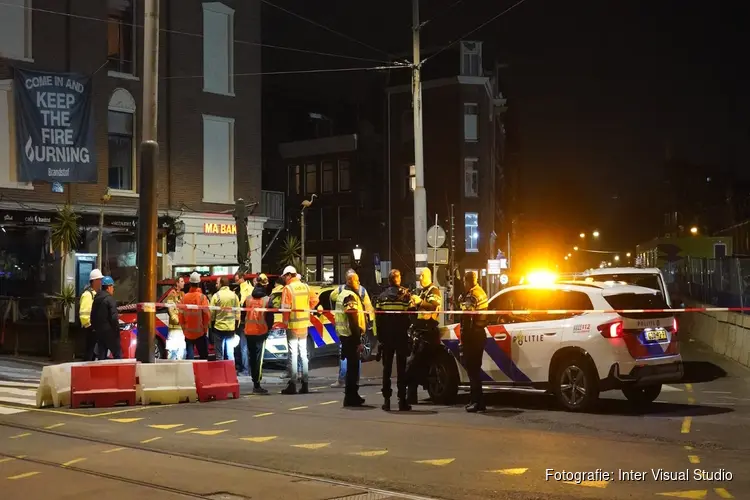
[108, 281]
[195, 278]
[262, 279]
[95, 275]
[289, 270]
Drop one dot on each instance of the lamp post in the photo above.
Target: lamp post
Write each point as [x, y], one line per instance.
[357, 253]
[105, 198]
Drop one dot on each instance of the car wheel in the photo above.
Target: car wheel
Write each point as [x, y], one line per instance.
[642, 395]
[370, 343]
[310, 349]
[576, 385]
[442, 379]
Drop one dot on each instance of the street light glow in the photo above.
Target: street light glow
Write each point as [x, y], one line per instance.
[357, 253]
[575, 248]
[570, 255]
[566, 257]
[617, 257]
[582, 235]
[694, 230]
[627, 254]
[595, 234]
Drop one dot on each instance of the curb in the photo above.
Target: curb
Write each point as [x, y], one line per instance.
[25, 361]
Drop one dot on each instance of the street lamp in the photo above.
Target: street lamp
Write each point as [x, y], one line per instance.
[566, 257]
[570, 255]
[357, 252]
[617, 257]
[575, 248]
[627, 254]
[595, 234]
[694, 230]
[582, 235]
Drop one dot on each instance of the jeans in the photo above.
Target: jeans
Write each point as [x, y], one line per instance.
[343, 366]
[297, 354]
[242, 363]
[201, 344]
[223, 345]
[351, 353]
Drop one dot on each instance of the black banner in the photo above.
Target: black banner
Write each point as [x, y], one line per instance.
[54, 127]
[28, 218]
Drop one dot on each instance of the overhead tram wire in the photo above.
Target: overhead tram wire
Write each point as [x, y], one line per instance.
[199, 35]
[299, 72]
[454, 42]
[439, 14]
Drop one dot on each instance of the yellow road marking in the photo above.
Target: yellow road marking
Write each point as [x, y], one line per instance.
[183, 431]
[723, 493]
[694, 459]
[373, 453]
[23, 476]
[260, 439]
[225, 422]
[113, 450]
[691, 400]
[150, 440]
[689, 448]
[263, 414]
[19, 436]
[329, 402]
[686, 425]
[312, 446]
[317, 388]
[85, 415]
[10, 459]
[54, 426]
[166, 427]
[689, 387]
[210, 433]
[589, 484]
[438, 462]
[250, 396]
[510, 472]
[298, 408]
[125, 420]
[692, 494]
[74, 461]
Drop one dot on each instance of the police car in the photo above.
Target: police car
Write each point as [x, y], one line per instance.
[573, 355]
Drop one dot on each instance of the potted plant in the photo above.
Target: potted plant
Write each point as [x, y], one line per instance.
[64, 238]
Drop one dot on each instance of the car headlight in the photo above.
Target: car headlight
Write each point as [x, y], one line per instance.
[127, 326]
[277, 334]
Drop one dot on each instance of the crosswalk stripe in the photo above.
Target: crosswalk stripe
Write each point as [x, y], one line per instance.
[16, 391]
[6, 410]
[18, 401]
[13, 383]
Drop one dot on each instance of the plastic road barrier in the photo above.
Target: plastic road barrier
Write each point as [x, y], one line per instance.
[216, 380]
[166, 383]
[54, 384]
[102, 384]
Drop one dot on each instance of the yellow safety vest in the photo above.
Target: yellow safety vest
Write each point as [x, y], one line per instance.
[476, 300]
[342, 319]
[245, 291]
[84, 311]
[299, 302]
[431, 295]
[225, 321]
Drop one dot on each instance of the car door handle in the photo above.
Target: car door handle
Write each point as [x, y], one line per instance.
[551, 333]
[501, 336]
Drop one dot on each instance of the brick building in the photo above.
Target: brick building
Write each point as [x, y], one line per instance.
[209, 133]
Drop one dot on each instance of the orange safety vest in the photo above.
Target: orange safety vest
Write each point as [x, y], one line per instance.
[195, 322]
[297, 296]
[255, 321]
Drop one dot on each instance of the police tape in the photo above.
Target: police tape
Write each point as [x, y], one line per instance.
[153, 306]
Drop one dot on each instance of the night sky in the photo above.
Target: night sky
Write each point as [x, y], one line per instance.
[599, 89]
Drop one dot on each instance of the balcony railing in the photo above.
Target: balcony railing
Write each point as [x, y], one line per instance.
[272, 206]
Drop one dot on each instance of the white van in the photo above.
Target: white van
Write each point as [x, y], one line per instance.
[650, 277]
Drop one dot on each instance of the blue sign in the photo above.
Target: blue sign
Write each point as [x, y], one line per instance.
[57, 187]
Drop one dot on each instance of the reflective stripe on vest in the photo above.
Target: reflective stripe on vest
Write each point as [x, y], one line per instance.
[432, 291]
[299, 321]
[193, 318]
[342, 320]
[255, 321]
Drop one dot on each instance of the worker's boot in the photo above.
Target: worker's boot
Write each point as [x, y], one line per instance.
[291, 388]
[305, 388]
[411, 396]
[386, 404]
[403, 405]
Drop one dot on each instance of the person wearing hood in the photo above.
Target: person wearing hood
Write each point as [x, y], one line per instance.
[257, 324]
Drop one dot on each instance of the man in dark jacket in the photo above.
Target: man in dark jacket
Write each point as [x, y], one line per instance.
[393, 337]
[105, 320]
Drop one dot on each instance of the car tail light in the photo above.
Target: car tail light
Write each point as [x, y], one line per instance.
[674, 326]
[611, 330]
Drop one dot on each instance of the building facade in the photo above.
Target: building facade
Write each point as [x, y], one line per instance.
[209, 132]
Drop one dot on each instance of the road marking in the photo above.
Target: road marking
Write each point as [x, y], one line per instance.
[717, 392]
[166, 427]
[12, 410]
[125, 420]
[19, 436]
[150, 440]
[74, 414]
[183, 431]
[691, 400]
[438, 462]
[510, 472]
[298, 408]
[729, 397]
[9, 383]
[318, 388]
[225, 422]
[250, 396]
[210, 433]
[71, 462]
[723, 493]
[686, 425]
[689, 387]
[259, 439]
[312, 446]
[263, 414]
[23, 476]
[10, 459]
[688, 448]
[694, 459]
[373, 453]
[670, 388]
[329, 402]
[54, 426]
[113, 450]
[693, 494]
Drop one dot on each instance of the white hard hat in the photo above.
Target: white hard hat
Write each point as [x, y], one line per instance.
[195, 278]
[289, 270]
[95, 275]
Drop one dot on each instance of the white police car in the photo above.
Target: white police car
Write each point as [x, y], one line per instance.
[573, 355]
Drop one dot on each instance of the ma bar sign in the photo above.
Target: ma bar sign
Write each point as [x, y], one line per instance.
[214, 228]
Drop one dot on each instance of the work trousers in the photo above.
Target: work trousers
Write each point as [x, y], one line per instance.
[256, 348]
[91, 351]
[297, 355]
[109, 341]
[400, 350]
[350, 352]
[223, 345]
[473, 340]
[201, 344]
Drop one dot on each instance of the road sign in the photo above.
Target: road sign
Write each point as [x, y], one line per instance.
[436, 236]
[503, 279]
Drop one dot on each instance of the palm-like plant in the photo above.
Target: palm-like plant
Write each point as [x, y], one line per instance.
[291, 250]
[64, 238]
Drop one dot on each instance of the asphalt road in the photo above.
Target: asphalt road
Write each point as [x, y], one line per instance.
[247, 448]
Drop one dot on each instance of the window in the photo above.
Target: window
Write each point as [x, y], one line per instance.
[295, 179]
[121, 141]
[8, 169]
[327, 168]
[218, 159]
[344, 176]
[720, 250]
[330, 222]
[311, 268]
[345, 263]
[471, 58]
[471, 177]
[347, 217]
[471, 227]
[328, 268]
[218, 48]
[121, 36]
[312, 224]
[471, 122]
[15, 29]
[311, 178]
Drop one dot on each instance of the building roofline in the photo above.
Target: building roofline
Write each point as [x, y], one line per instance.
[314, 147]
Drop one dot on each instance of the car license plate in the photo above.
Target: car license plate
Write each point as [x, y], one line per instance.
[656, 335]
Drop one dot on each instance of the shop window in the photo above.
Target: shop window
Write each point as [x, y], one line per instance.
[471, 231]
[345, 263]
[344, 176]
[327, 177]
[218, 48]
[121, 142]
[311, 178]
[121, 24]
[311, 268]
[218, 159]
[328, 268]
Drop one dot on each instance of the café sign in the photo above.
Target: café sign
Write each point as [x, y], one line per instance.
[214, 228]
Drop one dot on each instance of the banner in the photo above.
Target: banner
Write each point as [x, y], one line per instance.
[54, 127]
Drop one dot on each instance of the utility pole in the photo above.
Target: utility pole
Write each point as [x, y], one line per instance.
[243, 246]
[303, 271]
[420, 195]
[147, 218]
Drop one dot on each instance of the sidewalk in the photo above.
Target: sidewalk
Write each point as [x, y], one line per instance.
[39, 361]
